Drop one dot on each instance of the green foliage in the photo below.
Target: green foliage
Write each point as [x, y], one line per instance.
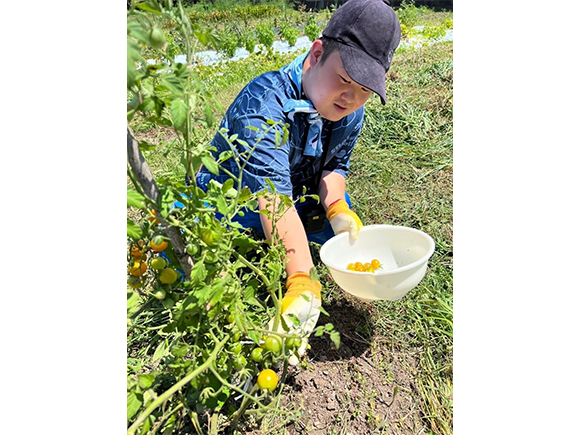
[312, 30]
[229, 42]
[290, 34]
[408, 13]
[249, 40]
[265, 34]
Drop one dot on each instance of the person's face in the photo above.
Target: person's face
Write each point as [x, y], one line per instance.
[333, 93]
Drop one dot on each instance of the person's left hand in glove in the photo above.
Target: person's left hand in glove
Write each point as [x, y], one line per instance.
[301, 302]
[342, 219]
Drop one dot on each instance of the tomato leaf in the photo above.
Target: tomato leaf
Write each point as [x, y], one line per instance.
[229, 184]
[132, 301]
[165, 201]
[173, 84]
[152, 7]
[323, 311]
[198, 273]
[179, 350]
[210, 163]
[135, 30]
[335, 337]
[135, 199]
[179, 114]
[161, 351]
[208, 113]
[145, 381]
[294, 319]
[134, 401]
[221, 205]
[134, 231]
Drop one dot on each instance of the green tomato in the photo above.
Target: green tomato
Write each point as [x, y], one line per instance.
[293, 342]
[158, 263]
[237, 348]
[273, 344]
[207, 236]
[257, 354]
[159, 294]
[157, 38]
[240, 362]
[192, 249]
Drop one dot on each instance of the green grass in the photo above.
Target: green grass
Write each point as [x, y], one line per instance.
[401, 173]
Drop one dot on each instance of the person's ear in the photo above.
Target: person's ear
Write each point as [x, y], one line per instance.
[315, 52]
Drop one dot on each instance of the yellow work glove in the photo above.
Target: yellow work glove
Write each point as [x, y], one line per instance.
[342, 219]
[302, 299]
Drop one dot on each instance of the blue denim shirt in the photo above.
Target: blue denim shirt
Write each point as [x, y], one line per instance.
[286, 166]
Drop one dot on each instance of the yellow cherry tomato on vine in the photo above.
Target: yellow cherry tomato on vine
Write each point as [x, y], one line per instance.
[168, 276]
[138, 268]
[207, 236]
[158, 244]
[375, 263]
[350, 267]
[267, 380]
[153, 217]
[138, 249]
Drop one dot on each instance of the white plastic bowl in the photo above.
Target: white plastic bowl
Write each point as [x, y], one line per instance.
[402, 251]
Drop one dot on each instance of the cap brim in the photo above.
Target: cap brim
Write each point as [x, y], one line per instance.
[364, 70]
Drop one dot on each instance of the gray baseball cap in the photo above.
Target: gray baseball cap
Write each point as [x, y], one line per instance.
[368, 32]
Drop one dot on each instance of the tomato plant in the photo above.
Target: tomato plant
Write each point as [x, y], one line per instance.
[197, 315]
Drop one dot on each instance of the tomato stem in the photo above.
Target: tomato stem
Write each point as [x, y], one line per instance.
[176, 387]
[258, 272]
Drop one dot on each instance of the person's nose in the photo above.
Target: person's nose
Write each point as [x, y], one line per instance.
[348, 96]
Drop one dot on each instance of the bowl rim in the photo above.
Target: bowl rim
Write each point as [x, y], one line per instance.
[412, 265]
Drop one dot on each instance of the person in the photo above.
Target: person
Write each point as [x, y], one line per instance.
[321, 96]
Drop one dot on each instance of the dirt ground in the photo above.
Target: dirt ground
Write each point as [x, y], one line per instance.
[360, 388]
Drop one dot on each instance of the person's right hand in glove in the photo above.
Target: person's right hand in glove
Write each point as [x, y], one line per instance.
[301, 302]
[342, 219]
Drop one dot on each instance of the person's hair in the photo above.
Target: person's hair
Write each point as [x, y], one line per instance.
[329, 46]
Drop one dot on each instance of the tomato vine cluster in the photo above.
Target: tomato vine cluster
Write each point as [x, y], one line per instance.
[149, 256]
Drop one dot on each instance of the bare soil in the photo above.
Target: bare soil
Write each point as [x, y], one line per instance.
[363, 387]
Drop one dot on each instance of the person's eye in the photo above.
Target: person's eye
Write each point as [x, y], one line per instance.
[344, 80]
[366, 90]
